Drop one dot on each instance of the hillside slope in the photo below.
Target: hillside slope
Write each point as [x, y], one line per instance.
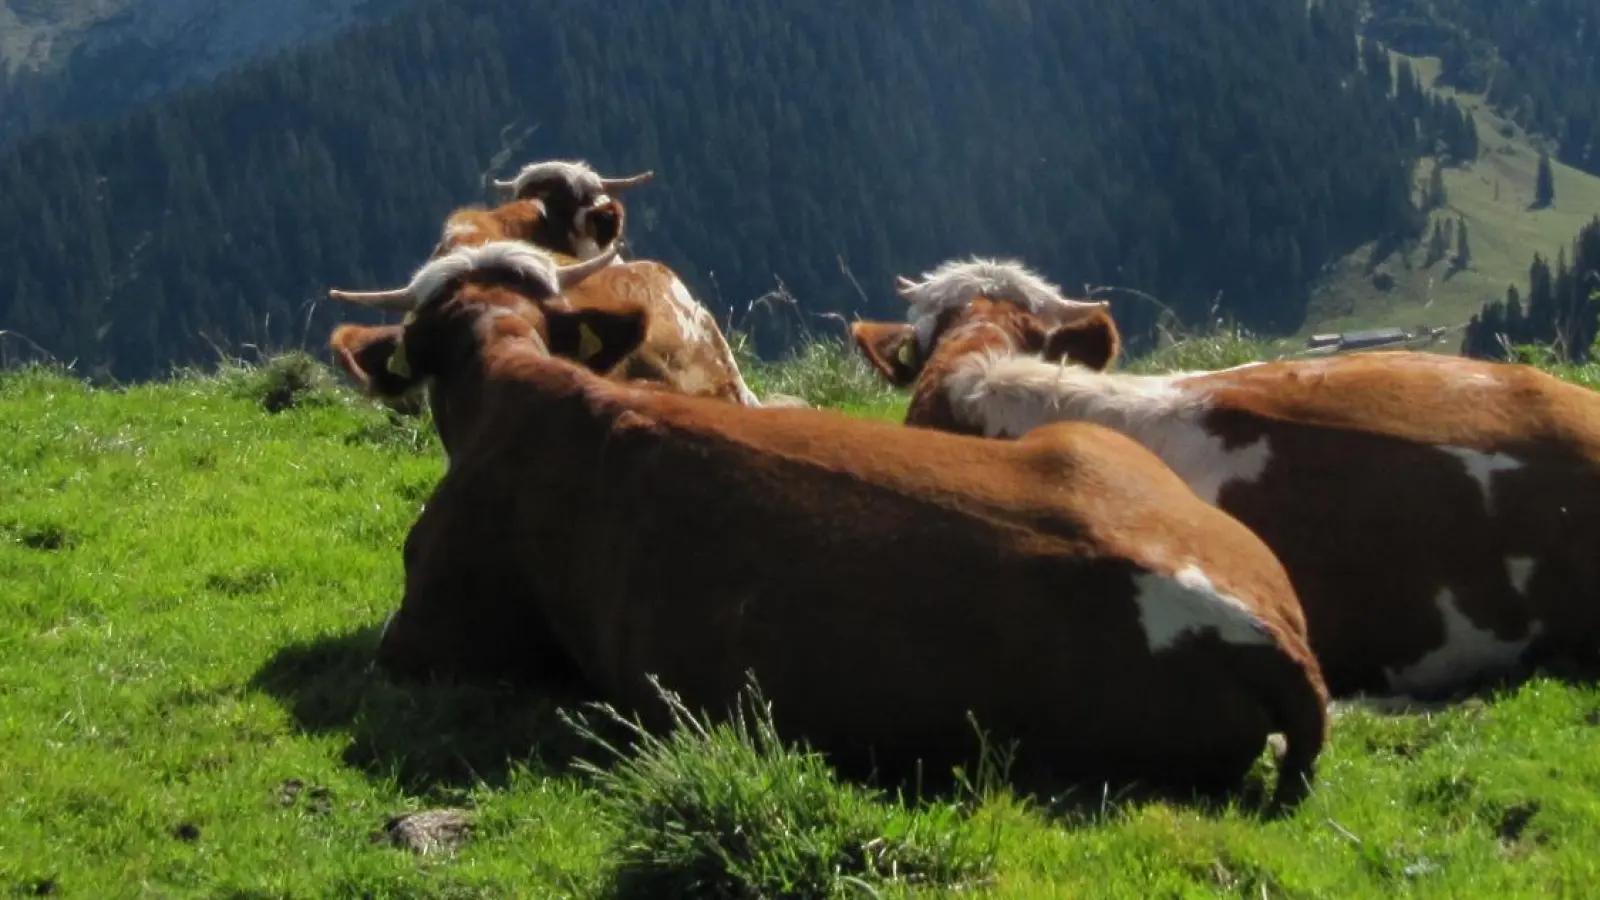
[1535, 61]
[1493, 195]
[1237, 149]
[66, 60]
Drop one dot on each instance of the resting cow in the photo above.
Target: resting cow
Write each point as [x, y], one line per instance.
[879, 582]
[564, 207]
[1437, 515]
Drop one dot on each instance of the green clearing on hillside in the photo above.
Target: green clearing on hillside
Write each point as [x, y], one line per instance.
[193, 586]
[1493, 195]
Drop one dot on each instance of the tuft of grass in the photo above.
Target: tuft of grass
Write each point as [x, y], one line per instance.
[282, 382]
[823, 371]
[1203, 351]
[727, 809]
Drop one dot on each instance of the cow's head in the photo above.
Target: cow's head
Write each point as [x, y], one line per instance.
[580, 207]
[974, 306]
[473, 297]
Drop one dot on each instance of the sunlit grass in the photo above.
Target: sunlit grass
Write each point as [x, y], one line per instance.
[194, 573]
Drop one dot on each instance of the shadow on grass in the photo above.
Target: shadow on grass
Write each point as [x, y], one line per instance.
[444, 736]
[1089, 805]
[432, 736]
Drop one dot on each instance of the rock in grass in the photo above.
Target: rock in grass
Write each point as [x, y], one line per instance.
[429, 831]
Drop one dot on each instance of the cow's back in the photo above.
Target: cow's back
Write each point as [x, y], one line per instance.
[935, 574]
[1438, 514]
[683, 347]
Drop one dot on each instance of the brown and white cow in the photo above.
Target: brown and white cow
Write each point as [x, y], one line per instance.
[564, 207]
[1438, 515]
[879, 582]
[572, 193]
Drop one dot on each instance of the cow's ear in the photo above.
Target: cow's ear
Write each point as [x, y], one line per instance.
[891, 348]
[599, 336]
[1093, 341]
[374, 357]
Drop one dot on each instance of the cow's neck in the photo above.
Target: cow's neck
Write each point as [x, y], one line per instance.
[932, 403]
[1006, 395]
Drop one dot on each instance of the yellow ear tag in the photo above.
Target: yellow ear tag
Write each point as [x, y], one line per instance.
[907, 355]
[398, 364]
[588, 342]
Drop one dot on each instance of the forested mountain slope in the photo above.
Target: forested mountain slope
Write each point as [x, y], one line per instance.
[70, 60]
[1198, 151]
[1536, 61]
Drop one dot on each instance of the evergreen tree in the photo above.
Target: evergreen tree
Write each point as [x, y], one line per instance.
[1438, 244]
[1516, 330]
[1463, 257]
[1435, 197]
[1544, 191]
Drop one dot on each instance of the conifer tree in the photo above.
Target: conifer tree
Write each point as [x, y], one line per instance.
[1544, 189]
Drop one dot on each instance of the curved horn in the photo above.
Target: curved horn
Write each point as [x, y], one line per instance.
[396, 300]
[569, 276]
[903, 284]
[619, 185]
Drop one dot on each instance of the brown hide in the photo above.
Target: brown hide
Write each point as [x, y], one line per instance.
[684, 348]
[1373, 519]
[368, 353]
[531, 220]
[880, 582]
[984, 325]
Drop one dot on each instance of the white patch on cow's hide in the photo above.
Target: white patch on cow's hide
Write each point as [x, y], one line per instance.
[1481, 468]
[1009, 395]
[691, 316]
[1519, 569]
[704, 339]
[1186, 602]
[529, 263]
[460, 229]
[1467, 652]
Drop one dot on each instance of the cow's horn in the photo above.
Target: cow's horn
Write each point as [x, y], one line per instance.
[396, 300]
[569, 276]
[621, 184]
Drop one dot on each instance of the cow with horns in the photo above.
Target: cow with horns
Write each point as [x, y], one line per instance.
[1438, 515]
[881, 583]
[565, 207]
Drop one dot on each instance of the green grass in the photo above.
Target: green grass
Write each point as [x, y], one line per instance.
[1492, 194]
[193, 583]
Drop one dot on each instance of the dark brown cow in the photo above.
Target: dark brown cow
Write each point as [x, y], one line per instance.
[1438, 515]
[879, 582]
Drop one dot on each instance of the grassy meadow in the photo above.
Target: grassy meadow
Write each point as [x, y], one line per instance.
[1493, 195]
[194, 575]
